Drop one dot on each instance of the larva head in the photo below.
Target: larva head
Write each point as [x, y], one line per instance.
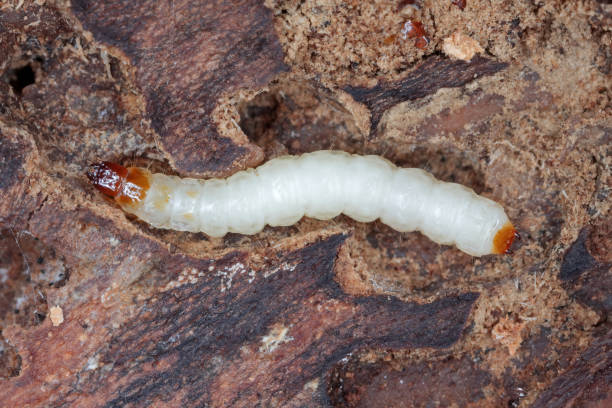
[107, 177]
[504, 238]
[125, 185]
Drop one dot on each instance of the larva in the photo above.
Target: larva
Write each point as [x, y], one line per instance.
[321, 185]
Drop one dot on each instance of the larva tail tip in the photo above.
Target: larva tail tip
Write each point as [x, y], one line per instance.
[502, 242]
[107, 177]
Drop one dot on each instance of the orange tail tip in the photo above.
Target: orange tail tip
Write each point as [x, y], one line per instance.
[504, 238]
[126, 185]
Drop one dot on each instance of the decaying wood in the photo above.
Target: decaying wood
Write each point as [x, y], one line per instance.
[277, 328]
[587, 382]
[425, 79]
[450, 381]
[187, 55]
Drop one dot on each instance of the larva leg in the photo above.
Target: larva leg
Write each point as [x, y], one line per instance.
[321, 185]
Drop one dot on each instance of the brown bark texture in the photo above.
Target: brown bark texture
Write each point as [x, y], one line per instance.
[98, 309]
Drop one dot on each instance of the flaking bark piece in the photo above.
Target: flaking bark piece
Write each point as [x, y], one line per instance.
[587, 277]
[236, 338]
[187, 54]
[221, 332]
[586, 382]
[426, 79]
[18, 155]
[457, 381]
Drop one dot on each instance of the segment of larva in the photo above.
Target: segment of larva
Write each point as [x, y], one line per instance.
[321, 185]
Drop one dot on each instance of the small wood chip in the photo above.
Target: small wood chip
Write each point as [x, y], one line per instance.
[56, 315]
[508, 333]
[461, 46]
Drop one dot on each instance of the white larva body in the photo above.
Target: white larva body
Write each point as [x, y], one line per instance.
[323, 185]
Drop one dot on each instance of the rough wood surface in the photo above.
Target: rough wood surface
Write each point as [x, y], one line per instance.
[277, 327]
[424, 79]
[181, 81]
[586, 382]
[319, 314]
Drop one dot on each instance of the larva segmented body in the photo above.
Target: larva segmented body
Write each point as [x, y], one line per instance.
[321, 185]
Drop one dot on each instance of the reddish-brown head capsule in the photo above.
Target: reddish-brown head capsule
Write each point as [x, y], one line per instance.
[107, 177]
[125, 185]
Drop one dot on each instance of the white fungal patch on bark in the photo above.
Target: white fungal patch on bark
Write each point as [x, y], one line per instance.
[186, 276]
[285, 266]
[275, 337]
[227, 275]
[323, 185]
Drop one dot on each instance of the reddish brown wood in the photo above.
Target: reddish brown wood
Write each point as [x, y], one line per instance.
[424, 79]
[202, 342]
[587, 382]
[188, 54]
[448, 381]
